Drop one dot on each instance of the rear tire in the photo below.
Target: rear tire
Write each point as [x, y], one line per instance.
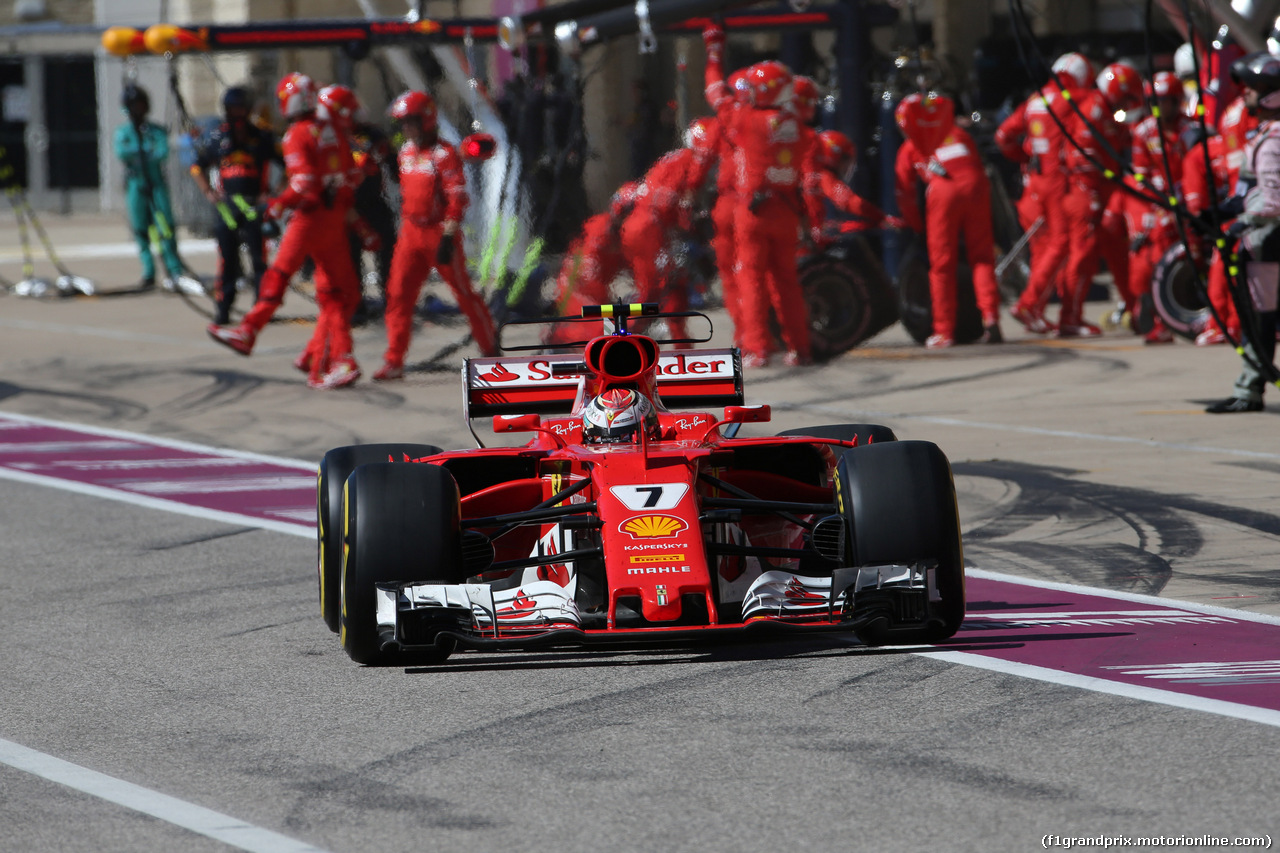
[402, 523]
[899, 500]
[861, 433]
[335, 468]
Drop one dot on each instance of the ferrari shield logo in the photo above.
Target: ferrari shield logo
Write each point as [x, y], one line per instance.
[661, 590]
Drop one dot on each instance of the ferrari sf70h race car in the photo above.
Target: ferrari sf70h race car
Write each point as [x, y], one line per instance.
[631, 515]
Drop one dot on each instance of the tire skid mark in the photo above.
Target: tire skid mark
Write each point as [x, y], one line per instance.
[1163, 530]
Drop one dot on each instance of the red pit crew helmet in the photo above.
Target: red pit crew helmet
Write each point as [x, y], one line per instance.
[337, 104]
[769, 83]
[837, 154]
[296, 94]
[700, 137]
[804, 98]
[1073, 70]
[412, 104]
[1121, 84]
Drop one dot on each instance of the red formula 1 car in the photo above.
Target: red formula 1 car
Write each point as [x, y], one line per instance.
[622, 519]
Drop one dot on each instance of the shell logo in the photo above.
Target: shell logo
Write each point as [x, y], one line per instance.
[653, 526]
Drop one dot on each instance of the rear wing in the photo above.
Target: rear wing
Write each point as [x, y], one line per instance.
[520, 385]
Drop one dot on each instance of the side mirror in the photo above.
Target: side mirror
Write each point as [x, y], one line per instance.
[759, 414]
[516, 423]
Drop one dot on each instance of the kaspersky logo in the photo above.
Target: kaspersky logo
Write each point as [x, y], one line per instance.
[653, 526]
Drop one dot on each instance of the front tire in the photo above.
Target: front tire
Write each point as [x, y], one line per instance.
[401, 523]
[335, 468]
[899, 501]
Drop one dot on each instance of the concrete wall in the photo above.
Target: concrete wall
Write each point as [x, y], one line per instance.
[65, 11]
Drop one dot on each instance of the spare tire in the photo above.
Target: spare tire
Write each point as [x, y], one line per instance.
[1177, 296]
[915, 303]
[840, 309]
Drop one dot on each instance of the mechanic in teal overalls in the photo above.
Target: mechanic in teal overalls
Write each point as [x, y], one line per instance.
[143, 147]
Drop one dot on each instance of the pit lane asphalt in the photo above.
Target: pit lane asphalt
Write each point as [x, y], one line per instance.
[187, 656]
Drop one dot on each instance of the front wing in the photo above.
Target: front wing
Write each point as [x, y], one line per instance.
[413, 616]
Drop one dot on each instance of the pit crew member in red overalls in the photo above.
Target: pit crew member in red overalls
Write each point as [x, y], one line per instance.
[1198, 194]
[340, 106]
[836, 158]
[1032, 135]
[664, 204]
[319, 168]
[337, 106]
[1236, 128]
[433, 191]
[957, 203]
[1089, 188]
[1163, 134]
[723, 211]
[833, 160]
[768, 190]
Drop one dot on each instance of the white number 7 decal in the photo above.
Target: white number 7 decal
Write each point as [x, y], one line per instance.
[651, 495]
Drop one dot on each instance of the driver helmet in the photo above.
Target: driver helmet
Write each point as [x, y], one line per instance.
[617, 416]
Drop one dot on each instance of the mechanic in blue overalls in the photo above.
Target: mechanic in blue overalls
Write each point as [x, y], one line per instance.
[143, 147]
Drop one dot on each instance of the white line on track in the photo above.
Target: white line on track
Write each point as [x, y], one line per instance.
[305, 531]
[1136, 597]
[1113, 688]
[865, 415]
[215, 825]
[177, 444]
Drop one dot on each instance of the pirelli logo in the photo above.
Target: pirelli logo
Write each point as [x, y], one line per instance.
[657, 558]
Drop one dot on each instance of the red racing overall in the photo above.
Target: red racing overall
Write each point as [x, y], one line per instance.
[320, 170]
[957, 203]
[433, 193]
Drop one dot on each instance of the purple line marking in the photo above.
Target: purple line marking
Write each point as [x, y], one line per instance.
[1174, 648]
[1194, 650]
[258, 487]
